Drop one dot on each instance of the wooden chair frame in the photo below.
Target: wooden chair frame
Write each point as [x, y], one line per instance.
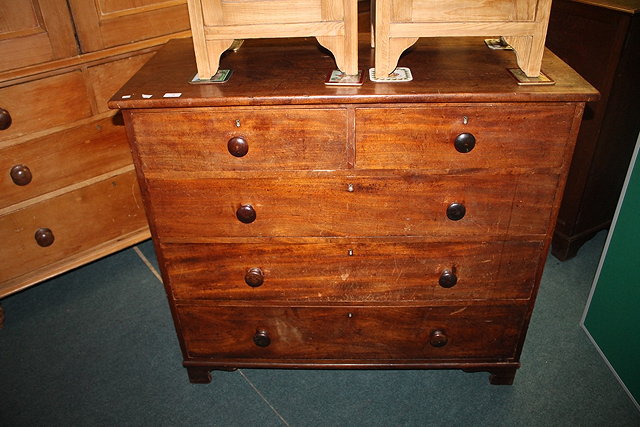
[215, 25]
[397, 24]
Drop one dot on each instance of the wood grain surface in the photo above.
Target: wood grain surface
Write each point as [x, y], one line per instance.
[320, 204]
[302, 225]
[444, 70]
[352, 270]
[352, 332]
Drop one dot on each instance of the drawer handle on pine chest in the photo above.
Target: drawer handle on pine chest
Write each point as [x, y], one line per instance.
[20, 175]
[456, 211]
[448, 279]
[5, 119]
[44, 237]
[254, 277]
[438, 338]
[465, 142]
[246, 214]
[238, 146]
[261, 338]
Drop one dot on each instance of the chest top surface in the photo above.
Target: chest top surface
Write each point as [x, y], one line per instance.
[292, 72]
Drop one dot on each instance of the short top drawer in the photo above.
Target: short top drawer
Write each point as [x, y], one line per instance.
[241, 139]
[492, 136]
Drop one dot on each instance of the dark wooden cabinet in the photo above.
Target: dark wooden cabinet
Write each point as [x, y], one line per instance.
[400, 225]
[600, 39]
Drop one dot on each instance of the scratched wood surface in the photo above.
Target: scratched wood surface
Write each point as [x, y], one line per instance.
[320, 204]
[329, 333]
[352, 270]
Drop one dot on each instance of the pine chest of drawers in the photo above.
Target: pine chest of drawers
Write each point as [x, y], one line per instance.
[382, 226]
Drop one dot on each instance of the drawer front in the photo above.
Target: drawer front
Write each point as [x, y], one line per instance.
[498, 136]
[352, 271]
[271, 12]
[321, 204]
[352, 332]
[79, 220]
[273, 138]
[60, 159]
[471, 10]
[44, 103]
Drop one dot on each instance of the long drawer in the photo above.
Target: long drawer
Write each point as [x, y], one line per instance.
[470, 11]
[45, 103]
[351, 204]
[77, 221]
[351, 332]
[492, 136]
[64, 158]
[261, 12]
[355, 271]
[285, 138]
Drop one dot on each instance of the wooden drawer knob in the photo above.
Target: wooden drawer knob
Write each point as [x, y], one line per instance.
[448, 279]
[246, 214]
[254, 277]
[5, 119]
[44, 237]
[238, 146]
[465, 142]
[456, 211]
[261, 338]
[438, 338]
[20, 175]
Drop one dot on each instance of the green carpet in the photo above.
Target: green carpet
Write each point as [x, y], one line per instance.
[96, 346]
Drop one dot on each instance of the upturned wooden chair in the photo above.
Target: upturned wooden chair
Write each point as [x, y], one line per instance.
[215, 25]
[397, 24]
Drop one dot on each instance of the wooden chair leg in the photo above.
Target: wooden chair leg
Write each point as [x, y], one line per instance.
[344, 54]
[529, 51]
[345, 47]
[388, 51]
[215, 49]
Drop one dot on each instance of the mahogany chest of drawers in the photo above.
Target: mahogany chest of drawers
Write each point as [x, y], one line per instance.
[390, 225]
